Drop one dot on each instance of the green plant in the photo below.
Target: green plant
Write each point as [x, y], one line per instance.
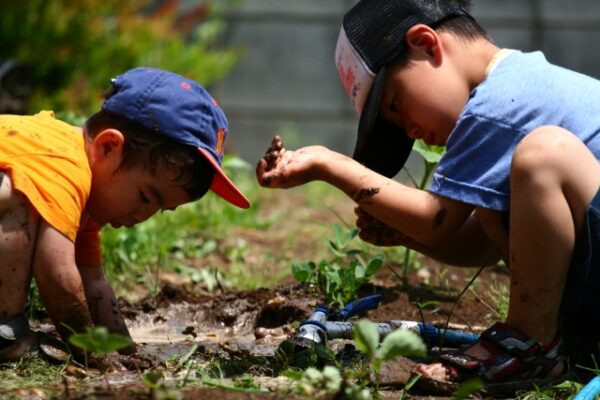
[93, 40]
[330, 382]
[98, 340]
[565, 390]
[499, 295]
[401, 342]
[340, 277]
[35, 304]
[29, 371]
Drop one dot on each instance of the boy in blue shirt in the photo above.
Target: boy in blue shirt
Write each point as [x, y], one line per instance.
[518, 182]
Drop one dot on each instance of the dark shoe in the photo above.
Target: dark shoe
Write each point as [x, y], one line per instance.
[516, 361]
[16, 338]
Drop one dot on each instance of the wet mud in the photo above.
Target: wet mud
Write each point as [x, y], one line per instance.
[244, 330]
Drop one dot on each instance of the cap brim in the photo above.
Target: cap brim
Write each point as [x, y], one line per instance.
[381, 145]
[223, 186]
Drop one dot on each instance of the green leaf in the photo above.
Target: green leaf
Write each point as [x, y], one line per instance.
[374, 264]
[430, 153]
[333, 378]
[340, 238]
[292, 374]
[353, 252]
[150, 379]
[334, 248]
[401, 342]
[302, 271]
[366, 337]
[98, 340]
[359, 272]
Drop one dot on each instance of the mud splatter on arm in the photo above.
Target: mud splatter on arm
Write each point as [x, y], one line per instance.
[439, 218]
[364, 193]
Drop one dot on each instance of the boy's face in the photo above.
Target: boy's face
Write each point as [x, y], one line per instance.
[130, 196]
[426, 96]
[418, 99]
[126, 196]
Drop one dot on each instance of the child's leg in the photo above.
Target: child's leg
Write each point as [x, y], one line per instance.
[18, 231]
[554, 177]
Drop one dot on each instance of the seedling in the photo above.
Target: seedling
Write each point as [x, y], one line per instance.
[330, 382]
[401, 342]
[98, 340]
[336, 279]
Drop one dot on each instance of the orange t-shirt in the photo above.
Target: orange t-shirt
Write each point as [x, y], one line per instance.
[47, 162]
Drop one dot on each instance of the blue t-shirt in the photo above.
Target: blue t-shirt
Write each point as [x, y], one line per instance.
[521, 93]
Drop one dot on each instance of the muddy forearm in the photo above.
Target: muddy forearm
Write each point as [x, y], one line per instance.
[103, 304]
[59, 282]
[64, 298]
[426, 218]
[468, 247]
[105, 311]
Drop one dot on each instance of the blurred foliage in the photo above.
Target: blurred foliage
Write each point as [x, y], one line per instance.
[73, 48]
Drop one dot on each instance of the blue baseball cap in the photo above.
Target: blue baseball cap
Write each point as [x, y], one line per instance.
[179, 108]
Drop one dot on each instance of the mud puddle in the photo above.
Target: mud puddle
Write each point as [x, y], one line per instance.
[249, 323]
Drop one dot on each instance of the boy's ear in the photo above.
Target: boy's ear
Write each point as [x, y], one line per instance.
[108, 145]
[424, 40]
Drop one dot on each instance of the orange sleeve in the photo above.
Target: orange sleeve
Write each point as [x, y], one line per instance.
[48, 164]
[87, 244]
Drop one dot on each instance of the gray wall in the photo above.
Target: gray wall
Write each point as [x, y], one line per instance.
[286, 82]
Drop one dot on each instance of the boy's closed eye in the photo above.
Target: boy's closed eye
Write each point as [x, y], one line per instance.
[144, 198]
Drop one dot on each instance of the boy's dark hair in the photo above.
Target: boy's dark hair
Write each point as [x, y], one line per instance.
[192, 172]
[463, 27]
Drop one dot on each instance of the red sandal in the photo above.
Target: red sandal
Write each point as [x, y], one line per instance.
[516, 362]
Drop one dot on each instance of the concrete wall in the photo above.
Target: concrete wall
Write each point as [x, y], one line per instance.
[286, 82]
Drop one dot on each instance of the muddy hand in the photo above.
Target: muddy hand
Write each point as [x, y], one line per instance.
[269, 160]
[376, 232]
[274, 152]
[281, 168]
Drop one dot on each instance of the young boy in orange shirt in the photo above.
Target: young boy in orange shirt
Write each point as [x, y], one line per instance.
[519, 179]
[157, 143]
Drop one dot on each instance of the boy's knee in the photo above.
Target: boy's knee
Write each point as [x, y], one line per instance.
[541, 150]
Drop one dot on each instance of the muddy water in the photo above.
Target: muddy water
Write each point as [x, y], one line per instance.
[179, 328]
[246, 323]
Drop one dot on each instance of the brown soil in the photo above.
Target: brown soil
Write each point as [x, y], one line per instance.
[236, 325]
[246, 327]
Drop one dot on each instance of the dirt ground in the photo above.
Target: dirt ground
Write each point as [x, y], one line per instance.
[237, 326]
[240, 332]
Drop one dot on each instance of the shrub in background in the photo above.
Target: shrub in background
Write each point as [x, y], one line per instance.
[72, 48]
